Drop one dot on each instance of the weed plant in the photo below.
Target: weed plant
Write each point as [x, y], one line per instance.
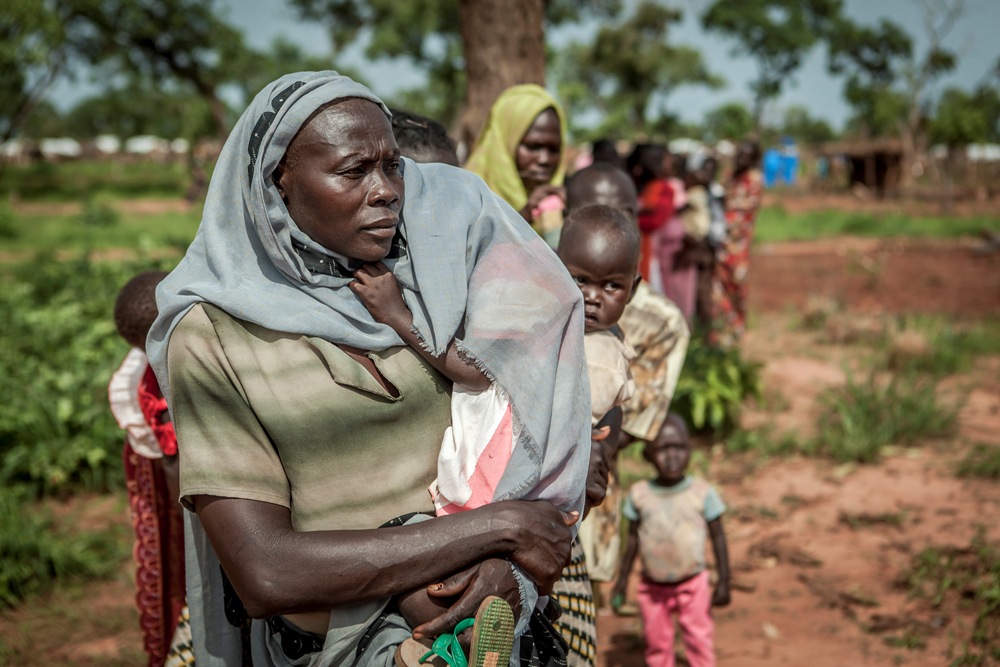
[861, 418]
[948, 348]
[950, 576]
[982, 461]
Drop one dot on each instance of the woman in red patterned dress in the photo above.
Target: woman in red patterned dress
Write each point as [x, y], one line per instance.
[729, 288]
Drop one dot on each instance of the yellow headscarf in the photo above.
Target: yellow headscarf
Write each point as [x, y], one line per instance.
[510, 118]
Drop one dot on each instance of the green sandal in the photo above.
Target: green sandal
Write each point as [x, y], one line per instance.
[492, 638]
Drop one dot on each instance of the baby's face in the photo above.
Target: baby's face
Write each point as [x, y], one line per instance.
[604, 273]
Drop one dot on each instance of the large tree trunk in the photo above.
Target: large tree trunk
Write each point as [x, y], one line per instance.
[504, 44]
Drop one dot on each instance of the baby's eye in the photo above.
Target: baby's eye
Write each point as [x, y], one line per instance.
[611, 287]
[579, 280]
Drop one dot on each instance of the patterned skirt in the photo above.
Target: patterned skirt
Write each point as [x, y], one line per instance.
[578, 623]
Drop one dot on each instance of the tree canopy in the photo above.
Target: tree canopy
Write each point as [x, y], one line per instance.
[777, 34]
[630, 68]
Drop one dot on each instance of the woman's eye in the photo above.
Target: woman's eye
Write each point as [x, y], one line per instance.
[392, 166]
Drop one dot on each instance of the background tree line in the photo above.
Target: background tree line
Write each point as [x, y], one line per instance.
[169, 66]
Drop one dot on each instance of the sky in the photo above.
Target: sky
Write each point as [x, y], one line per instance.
[973, 38]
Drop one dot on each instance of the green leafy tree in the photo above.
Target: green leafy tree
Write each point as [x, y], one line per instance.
[961, 118]
[628, 70]
[139, 106]
[183, 41]
[731, 121]
[888, 81]
[469, 50]
[803, 127]
[33, 52]
[777, 34]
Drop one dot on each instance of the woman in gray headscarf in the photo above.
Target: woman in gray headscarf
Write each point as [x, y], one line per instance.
[305, 424]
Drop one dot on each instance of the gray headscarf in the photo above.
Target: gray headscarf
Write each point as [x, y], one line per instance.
[470, 269]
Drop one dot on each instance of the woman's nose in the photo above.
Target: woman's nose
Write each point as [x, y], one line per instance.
[384, 191]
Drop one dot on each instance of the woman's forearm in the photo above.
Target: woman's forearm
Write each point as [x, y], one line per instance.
[277, 570]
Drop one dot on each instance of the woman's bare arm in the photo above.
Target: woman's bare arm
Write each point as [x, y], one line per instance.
[277, 570]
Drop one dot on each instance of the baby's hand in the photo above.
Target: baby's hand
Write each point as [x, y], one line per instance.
[376, 287]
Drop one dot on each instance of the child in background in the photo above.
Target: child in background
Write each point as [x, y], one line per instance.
[150, 457]
[672, 515]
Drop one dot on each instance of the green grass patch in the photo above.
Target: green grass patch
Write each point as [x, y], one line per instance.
[861, 418]
[763, 442]
[36, 552]
[775, 223]
[938, 346]
[98, 226]
[79, 180]
[982, 461]
[949, 577]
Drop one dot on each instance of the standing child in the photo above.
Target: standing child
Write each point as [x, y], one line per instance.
[150, 458]
[672, 515]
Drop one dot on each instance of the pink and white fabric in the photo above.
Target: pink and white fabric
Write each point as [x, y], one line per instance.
[475, 450]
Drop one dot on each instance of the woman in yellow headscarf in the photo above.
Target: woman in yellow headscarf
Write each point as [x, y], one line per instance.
[521, 154]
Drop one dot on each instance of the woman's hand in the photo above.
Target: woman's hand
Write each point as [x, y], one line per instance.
[542, 537]
[491, 577]
[377, 288]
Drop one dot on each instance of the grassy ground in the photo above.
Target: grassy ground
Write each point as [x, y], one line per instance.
[97, 226]
[775, 223]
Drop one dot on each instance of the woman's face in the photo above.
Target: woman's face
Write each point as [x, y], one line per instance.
[340, 180]
[538, 153]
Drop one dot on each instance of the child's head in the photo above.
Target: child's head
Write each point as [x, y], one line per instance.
[423, 139]
[670, 452]
[600, 248]
[135, 307]
[601, 183]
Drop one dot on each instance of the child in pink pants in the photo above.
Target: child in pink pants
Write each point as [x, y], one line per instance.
[671, 518]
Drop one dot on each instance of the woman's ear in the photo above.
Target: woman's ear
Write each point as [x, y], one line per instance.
[276, 175]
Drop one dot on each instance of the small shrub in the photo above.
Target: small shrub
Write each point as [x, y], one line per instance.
[713, 385]
[982, 461]
[862, 418]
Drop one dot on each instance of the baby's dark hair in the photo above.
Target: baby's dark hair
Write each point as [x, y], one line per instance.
[135, 307]
[419, 136]
[600, 218]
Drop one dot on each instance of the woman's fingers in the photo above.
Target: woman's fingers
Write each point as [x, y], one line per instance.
[491, 577]
[453, 585]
